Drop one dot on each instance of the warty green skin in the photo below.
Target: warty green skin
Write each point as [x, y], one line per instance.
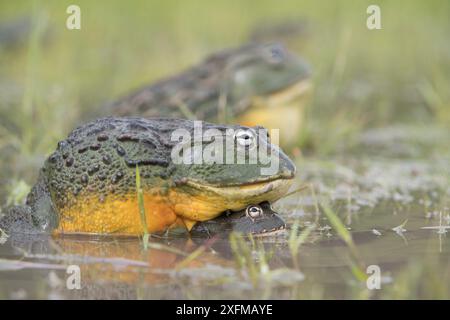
[230, 77]
[101, 156]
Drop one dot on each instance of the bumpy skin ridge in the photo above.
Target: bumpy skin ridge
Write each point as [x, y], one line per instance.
[98, 157]
[101, 156]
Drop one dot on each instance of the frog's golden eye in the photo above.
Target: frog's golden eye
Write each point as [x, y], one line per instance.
[245, 138]
[254, 211]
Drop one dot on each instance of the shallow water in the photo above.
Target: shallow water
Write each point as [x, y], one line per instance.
[394, 200]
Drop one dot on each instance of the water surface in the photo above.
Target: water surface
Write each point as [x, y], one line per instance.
[391, 190]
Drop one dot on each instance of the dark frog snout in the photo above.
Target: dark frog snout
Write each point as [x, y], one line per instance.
[258, 220]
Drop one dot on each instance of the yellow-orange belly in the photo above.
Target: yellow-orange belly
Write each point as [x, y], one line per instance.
[116, 215]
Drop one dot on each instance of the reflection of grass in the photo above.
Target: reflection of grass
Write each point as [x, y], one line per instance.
[254, 263]
[244, 251]
[296, 239]
[345, 235]
[195, 254]
[420, 279]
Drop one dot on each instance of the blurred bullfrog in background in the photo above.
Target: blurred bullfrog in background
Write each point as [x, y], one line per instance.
[88, 185]
[255, 84]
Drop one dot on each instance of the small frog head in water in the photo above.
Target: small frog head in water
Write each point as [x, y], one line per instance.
[258, 220]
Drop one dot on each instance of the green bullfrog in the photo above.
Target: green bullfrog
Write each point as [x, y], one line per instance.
[255, 84]
[88, 184]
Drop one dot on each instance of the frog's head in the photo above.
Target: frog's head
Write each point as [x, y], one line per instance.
[266, 70]
[240, 166]
[258, 220]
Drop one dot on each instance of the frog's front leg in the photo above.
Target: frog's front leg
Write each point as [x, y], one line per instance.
[18, 219]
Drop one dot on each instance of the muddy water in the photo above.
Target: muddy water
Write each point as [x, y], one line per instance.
[391, 189]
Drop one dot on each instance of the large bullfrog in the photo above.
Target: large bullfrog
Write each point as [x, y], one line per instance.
[255, 84]
[88, 185]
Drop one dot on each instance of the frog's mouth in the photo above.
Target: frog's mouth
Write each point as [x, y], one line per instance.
[285, 95]
[197, 201]
[272, 232]
[272, 226]
[279, 108]
[215, 199]
[246, 191]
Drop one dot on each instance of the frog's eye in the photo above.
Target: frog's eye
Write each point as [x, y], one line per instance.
[276, 54]
[268, 135]
[245, 138]
[254, 211]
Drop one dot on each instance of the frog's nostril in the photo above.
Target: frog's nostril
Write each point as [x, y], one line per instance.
[287, 166]
[286, 173]
[288, 169]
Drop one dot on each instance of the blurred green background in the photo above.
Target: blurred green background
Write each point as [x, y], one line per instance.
[362, 78]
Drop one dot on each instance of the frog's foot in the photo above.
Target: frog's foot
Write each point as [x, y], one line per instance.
[19, 219]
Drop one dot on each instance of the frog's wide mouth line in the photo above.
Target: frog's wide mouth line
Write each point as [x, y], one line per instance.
[289, 93]
[273, 188]
[273, 232]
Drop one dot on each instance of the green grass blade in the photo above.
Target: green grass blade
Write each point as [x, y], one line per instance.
[142, 213]
[338, 226]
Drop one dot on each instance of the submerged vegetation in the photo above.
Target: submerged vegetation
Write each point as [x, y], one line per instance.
[374, 150]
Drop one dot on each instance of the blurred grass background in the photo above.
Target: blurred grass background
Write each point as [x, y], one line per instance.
[362, 78]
